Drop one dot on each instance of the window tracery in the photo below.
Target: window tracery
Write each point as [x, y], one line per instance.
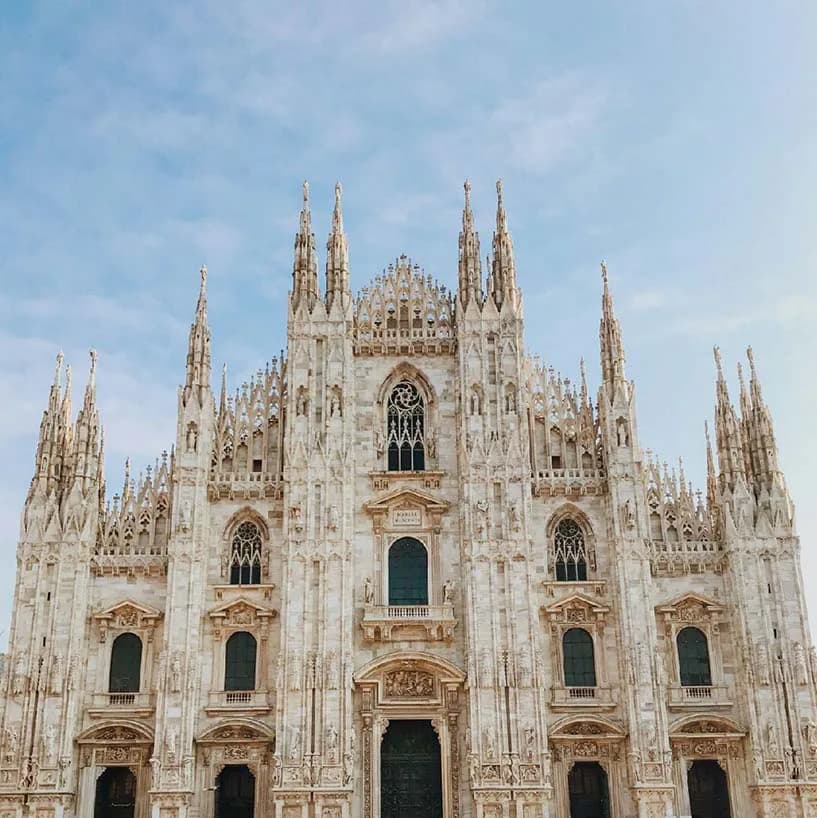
[570, 551]
[245, 555]
[406, 427]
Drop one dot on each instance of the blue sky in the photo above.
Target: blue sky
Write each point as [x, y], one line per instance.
[674, 139]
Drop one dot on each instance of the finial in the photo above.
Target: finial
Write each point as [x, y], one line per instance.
[68, 380]
[467, 187]
[203, 274]
[740, 379]
[306, 193]
[604, 271]
[751, 356]
[58, 368]
[706, 432]
[338, 191]
[499, 190]
[717, 352]
[92, 374]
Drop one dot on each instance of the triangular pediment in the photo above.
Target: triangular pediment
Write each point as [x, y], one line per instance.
[689, 601]
[576, 600]
[129, 611]
[236, 610]
[407, 498]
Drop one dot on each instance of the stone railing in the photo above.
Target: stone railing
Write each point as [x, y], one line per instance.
[685, 557]
[389, 623]
[244, 701]
[583, 698]
[568, 482]
[104, 704]
[244, 484]
[693, 696]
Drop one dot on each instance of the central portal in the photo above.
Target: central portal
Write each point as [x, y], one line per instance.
[410, 773]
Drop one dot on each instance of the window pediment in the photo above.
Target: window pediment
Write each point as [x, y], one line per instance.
[407, 509]
[242, 611]
[691, 608]
[574, 609]
[596, 728]
[127, 614]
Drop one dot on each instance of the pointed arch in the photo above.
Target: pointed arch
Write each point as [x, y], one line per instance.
[571, 544]
[405, 371]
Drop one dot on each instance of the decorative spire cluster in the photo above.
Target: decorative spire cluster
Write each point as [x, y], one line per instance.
[747, 450]
[469, 266]
[337, 256]
[68, 452]
[503, 269]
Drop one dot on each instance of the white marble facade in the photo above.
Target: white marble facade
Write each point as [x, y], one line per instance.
[538, 512]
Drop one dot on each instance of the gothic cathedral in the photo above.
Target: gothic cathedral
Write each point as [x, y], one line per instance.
[408, 572]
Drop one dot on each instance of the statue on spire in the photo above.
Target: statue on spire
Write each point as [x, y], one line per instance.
[197, 376]
[503, 268]
[337, 257]
[305, 267]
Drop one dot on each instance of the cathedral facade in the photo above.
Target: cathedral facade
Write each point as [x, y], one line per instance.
[406, 571]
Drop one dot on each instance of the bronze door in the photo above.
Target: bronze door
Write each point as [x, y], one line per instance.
[410, 772]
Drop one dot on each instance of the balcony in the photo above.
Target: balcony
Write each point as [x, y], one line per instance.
[582, 698]
[408, 623]
[104, 705]
[238, 701]
[698, 697]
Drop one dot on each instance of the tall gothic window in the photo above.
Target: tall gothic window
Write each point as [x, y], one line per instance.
[408, 573]
[126, 664]
[245, 555]
[570, 554]
[239, 664]
[693, 658]
[406, 428]
[579, 659]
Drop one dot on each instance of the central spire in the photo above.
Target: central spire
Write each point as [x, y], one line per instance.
[305, 266]
[198, 348]
[612, 347]
[470, 264]
[337, 255]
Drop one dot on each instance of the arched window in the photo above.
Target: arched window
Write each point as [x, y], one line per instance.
[239, 662]
[693, 658]
[126, 664]
[408, 573]
[578, 658]
[570, 554]
[245, 555]
[406, 428]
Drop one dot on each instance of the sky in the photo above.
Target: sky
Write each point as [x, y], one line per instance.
[676, 140]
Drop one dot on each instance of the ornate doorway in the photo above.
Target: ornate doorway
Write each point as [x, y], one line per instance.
[235, 793]
[410, 771]
[708, 790]
[589, 793]
[115, 793]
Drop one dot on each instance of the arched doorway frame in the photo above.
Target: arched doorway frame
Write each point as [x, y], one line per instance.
[241, 742]
[588, 738]
[115, 744]
[703, 737]
[409, 685]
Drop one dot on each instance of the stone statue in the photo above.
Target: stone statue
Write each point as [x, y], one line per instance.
[348, 768]
[294, 742]
[176, 673]
[277, 770]
[57, 674]
[514, 518]
[762, 664]
[50, 744]
[171, 743]
[772, 744]
[368, 591]
[810, 732]
[800, 668]
[627, 514]
[489, 743]
[19, 683]
[10, 742]
[530, 743]
[473, 768]
[448, 591]
[156, 772]
[334, 518]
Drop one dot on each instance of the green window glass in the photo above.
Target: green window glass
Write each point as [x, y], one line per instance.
[408, 573]
[693, 658]
[126, 664]
[239, 665]
[579, 659]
